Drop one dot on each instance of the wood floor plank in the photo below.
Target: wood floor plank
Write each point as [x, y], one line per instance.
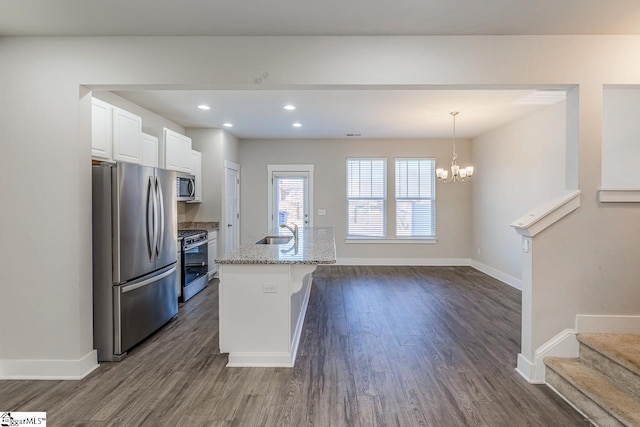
[381, 346]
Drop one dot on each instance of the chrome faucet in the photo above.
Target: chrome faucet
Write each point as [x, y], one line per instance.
[293, 229]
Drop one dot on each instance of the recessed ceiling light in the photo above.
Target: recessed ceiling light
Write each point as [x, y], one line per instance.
[204, 107]
[228, 125]
[297, 125]
[289, 107]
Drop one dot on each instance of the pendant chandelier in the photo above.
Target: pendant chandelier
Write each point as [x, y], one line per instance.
[458, 174]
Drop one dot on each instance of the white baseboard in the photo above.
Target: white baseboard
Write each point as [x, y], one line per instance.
[443, 262]
[565, 344]
[260, 360]
[525, 368]
[613, 324]
[497, 274]
[49, 369]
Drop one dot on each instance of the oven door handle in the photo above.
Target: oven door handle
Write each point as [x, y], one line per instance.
[186, 248]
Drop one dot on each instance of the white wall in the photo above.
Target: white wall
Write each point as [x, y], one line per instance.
[621, 138]
[587, 264]
[519, 166]
[453, 202]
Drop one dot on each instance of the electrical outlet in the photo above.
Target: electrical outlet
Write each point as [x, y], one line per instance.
[270, 288]
[478, 251]
[322, 212]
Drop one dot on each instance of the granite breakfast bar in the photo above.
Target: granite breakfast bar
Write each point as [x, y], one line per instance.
[264, 292]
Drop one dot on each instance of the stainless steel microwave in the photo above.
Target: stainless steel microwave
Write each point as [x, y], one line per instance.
[186, 186]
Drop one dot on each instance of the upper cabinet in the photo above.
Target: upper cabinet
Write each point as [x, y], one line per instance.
[196, 170]
[101, 129]
[175, 152]
[149, 150]
[116, 134]
[127, 135]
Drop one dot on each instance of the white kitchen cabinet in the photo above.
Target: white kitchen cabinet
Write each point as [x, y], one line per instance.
[196, 170]
[116, 134]
[213, 252]
[149, 150]
[175, 151]
[127, 136]
[101, 129]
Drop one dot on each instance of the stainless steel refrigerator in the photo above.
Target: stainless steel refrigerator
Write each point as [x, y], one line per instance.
[134, 255]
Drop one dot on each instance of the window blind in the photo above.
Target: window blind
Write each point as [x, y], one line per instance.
[415, 197]
[366, 197]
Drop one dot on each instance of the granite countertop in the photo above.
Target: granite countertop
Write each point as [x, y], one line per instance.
[315, 246]
[201, 225]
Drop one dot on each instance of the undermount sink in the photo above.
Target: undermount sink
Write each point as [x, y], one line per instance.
[274, 240]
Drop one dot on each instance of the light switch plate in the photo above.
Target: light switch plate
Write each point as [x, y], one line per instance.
[322, 212]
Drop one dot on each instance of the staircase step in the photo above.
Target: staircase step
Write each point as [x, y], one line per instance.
[617, 355]
[604, 401]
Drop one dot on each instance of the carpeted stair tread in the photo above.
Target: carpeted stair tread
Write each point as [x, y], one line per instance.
[613, 398]
[623, 349]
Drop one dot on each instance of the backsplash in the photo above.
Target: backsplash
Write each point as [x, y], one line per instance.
[198, 225]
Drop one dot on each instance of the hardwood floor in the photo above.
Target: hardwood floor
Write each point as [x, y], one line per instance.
[381, 346]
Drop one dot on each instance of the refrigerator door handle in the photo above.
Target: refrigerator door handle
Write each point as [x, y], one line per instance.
[128, 288]
[150, 213]
[161, 206]
[155, 221]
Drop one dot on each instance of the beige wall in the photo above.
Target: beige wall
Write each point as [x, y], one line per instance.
[216, 146]
[453, 202]
[585, 265]
[519, 166]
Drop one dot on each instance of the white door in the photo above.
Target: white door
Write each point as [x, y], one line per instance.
[290, 195]
[231, 223]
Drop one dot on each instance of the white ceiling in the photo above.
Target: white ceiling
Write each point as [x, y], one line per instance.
[334, 113]
[317, 17]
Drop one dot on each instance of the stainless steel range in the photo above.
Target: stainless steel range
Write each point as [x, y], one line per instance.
[195, 264]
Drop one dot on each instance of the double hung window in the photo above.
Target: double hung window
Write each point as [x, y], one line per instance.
[415, 198]
[367, 198]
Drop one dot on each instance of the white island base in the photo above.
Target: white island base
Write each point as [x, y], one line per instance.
[262, 309]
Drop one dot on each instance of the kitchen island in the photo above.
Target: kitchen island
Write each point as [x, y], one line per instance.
[264, 292]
